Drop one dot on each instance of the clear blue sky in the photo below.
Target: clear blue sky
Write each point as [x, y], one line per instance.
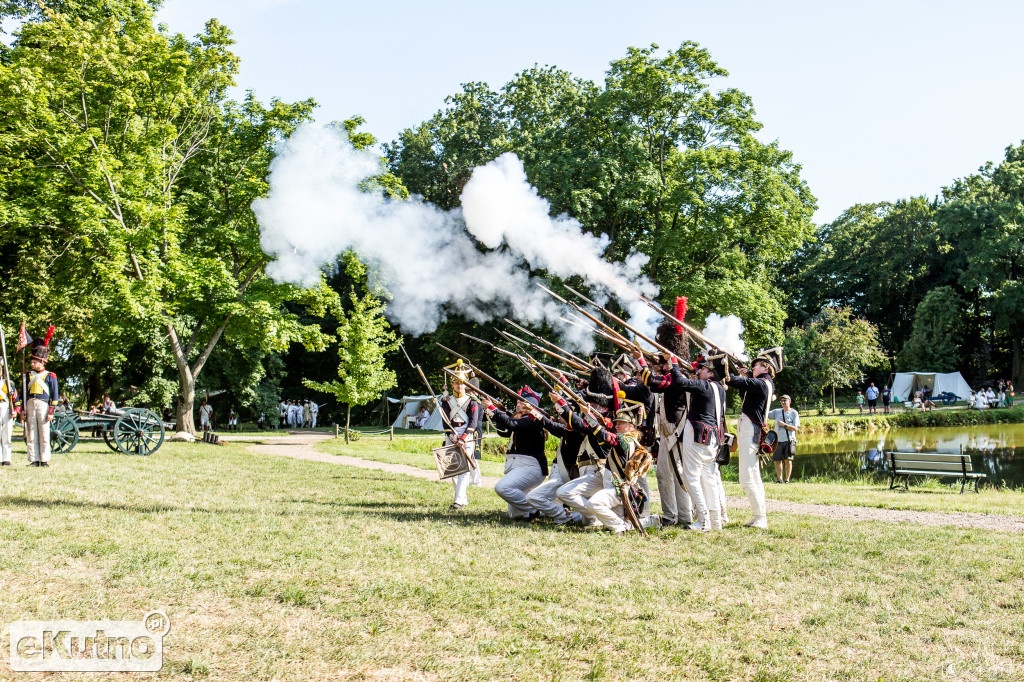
[877, 100]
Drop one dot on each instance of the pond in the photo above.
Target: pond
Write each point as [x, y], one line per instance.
[993, 451]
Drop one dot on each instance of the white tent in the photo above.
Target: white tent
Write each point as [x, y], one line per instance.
[411, 405]
[905, 384]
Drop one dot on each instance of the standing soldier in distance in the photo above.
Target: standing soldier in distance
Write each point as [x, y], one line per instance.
[41, 398]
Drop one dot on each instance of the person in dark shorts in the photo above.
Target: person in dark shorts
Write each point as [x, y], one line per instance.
[886, 399]
[787, 421]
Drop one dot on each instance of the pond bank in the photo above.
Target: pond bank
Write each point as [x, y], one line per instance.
[909, 419]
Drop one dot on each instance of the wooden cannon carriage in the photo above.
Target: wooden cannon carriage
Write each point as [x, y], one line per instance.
[134, 431]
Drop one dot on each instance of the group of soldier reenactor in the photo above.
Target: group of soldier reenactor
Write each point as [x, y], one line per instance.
[33, 405]
[630, 412]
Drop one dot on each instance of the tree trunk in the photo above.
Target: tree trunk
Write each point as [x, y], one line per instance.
[348, 415]
[1017, 371]
[186, 402]
[833, 400]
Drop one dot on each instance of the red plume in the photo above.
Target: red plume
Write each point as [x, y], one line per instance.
[680, 311]
[49, 335]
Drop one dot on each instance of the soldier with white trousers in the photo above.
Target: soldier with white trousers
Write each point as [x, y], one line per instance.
[41, 399]
[757, 390]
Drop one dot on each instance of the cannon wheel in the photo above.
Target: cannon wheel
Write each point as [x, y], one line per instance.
[138, 432]
[63, 434]
[108, 438]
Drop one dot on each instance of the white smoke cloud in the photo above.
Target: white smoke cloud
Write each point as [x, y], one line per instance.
[424, 256]
[726, 332]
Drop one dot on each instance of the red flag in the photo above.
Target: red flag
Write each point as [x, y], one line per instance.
[23, 338]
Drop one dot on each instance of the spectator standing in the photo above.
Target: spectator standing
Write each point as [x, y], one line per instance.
[886, 398]
[860, 401]
[232, 420]
[205, 415]
[872, 395]
[787, 421]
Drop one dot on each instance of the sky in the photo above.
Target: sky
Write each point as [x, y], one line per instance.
[877, 100]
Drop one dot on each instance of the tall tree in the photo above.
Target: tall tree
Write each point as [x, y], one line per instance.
[983, 218]
[127, 160]
[845, 345]
[364, 339]
[657, 160]
[934, 342]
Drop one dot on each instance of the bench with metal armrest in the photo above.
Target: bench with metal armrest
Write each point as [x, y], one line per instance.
[937, 464]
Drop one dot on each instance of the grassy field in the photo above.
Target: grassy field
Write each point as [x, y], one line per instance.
[277, 568]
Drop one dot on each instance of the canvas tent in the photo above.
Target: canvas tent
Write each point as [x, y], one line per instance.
[905, 384]
[410, 408]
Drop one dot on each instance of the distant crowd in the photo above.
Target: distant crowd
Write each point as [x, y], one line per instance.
[297, 414]
[988, 398]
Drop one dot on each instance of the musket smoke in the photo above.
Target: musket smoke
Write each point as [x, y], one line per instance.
[424, 257]
[727, 333]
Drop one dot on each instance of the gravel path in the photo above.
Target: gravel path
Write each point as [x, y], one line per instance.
[298, 446]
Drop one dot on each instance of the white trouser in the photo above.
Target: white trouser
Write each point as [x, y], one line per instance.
[312, 421]
[750, 467]
[6, 426]
[37, 430]
[724, 513]
[675, 503]
[544, 498]
[471, 477]
[574, 494]
[701, 480]
[522, 474]
[606, 506]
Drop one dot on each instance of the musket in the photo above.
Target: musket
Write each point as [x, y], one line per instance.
[437, 402]
[693, 332]
[586, 407]
[564, 352]
[600, 332]
[592, 318]
[625, 324]
[504, 351]
[508, 391]
[512, 338]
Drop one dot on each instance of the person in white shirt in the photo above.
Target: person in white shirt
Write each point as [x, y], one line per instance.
[787, 421]
[422, 418]
[205, 416]
[314, 410]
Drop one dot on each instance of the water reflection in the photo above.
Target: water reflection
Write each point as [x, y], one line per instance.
[992, 450]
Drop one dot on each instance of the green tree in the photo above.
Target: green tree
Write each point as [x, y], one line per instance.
[983, 220]
[656, 160]
[934, 343]
[846, 345]
[364, 340]
[131, 176]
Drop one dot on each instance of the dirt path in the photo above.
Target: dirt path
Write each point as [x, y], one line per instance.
[299, 446]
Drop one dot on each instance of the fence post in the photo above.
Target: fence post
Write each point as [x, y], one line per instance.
[392, 434]
[335, 430]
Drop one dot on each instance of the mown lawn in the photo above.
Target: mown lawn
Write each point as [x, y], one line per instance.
[924, 495]
[277, 568]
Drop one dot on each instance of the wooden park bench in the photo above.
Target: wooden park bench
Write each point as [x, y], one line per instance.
[938, 464]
